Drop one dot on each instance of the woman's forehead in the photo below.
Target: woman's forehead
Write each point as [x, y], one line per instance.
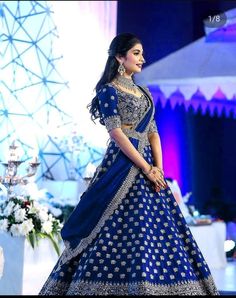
[138, 46]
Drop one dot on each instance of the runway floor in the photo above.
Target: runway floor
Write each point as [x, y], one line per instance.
[225, 278]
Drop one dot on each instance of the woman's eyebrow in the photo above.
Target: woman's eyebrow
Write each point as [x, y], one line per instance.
[134, 50]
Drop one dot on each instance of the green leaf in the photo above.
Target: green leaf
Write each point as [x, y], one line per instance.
[31, 238]
[54, 243]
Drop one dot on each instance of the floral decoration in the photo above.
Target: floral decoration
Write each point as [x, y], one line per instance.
[24, 216]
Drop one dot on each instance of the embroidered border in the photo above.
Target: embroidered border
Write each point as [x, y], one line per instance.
[141, 136]
[112, 122]
[69, 253]
[153, 127]
[202, 287]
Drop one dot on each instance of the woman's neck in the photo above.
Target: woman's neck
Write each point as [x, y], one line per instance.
[126, 83]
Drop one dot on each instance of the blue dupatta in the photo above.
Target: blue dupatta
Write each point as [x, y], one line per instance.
[99, 201]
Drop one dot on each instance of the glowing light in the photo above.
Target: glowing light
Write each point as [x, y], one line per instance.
[229, 245]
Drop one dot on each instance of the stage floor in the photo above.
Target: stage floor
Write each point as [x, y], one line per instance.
[225, 278]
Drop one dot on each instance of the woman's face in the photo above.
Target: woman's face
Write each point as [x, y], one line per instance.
[134, 60]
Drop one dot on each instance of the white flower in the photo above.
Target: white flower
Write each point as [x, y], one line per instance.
[50, 217]
[32, 209]
[43, 214]
[41, 211]
[15, 230]
[47, 227]
[8, 210]
[17, 206]
[3, 224]
[26, 227]
[20, 215]
[30, 224]
[29, 217]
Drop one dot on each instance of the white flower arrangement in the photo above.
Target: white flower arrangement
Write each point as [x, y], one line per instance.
[23, 216]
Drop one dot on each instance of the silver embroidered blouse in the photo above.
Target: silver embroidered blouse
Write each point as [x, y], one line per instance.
[119, 107]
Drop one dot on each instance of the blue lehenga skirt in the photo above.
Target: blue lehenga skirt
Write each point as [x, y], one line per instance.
[144, 248]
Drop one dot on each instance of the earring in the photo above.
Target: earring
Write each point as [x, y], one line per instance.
[121, 69]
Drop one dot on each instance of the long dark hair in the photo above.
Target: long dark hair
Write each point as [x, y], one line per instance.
[120, 45]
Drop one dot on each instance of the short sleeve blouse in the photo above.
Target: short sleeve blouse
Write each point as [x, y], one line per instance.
[108, 104]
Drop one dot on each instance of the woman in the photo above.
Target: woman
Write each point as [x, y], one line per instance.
[127, 235]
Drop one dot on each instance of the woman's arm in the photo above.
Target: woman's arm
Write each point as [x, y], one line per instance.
[130, 151]
[155, 143]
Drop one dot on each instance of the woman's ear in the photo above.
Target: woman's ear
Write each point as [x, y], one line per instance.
[119, 58]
